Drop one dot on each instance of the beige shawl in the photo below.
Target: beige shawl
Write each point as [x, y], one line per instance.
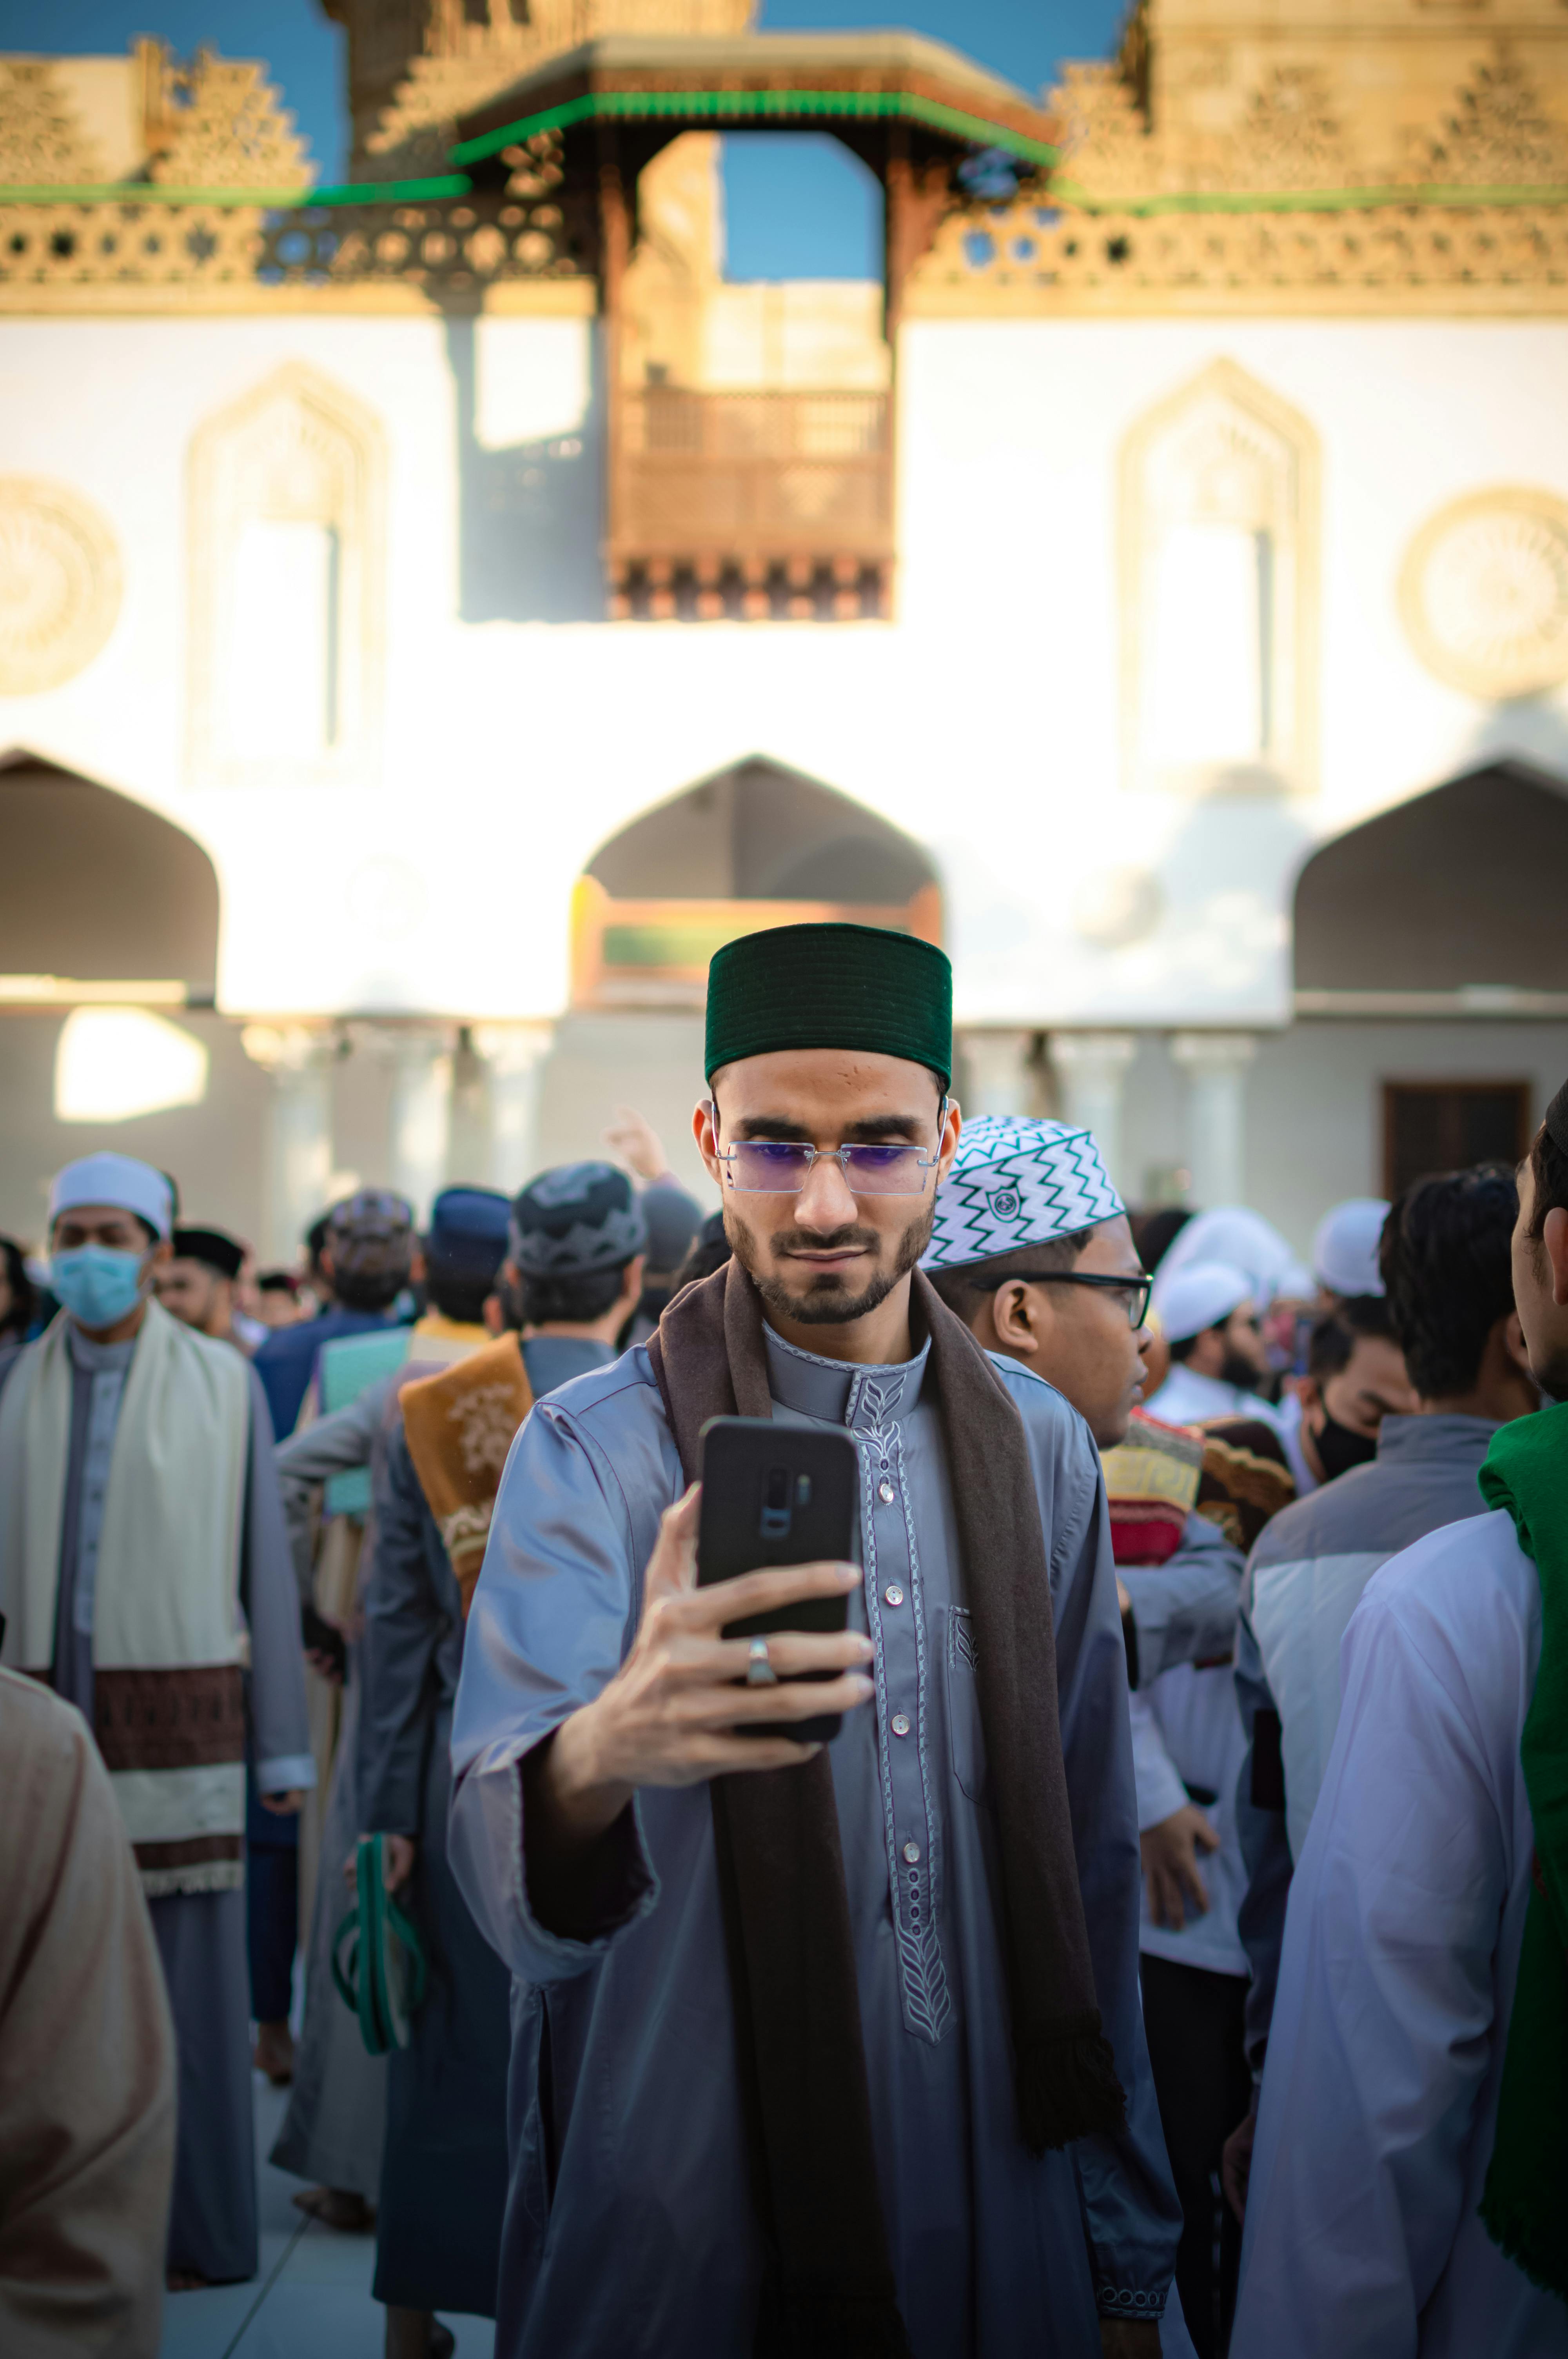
[86, 2054]
[168, 1639]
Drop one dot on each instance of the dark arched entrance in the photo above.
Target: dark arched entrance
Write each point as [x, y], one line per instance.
[96, 888]
[1450, 906]
[756, 845]
[1456, 892]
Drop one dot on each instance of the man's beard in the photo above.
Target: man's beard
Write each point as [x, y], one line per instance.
[1238, 1371]
[827, 1304]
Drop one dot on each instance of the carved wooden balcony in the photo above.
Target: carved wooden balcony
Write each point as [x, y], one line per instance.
[753, 505]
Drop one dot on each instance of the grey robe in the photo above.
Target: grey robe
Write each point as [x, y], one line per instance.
[201, 1935]
[443, 2184]
[630, 2227]
[336, 2123]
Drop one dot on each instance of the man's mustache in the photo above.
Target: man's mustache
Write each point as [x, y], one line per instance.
[851, 1239]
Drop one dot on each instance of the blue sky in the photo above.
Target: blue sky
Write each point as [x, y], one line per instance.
[796, 208]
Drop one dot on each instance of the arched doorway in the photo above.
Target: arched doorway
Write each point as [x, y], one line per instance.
[109, 919]
[1447, 910]
[753, 846]
[95, 889]
[1456, 893]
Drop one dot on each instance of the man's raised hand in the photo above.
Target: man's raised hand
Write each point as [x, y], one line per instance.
[668, 1716]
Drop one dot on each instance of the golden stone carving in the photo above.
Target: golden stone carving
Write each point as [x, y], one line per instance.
[41, 141]
[1500, 134]
[223, 128]
[1042, 256]
[1484, 593]
[129, 243]
[1291, 136]
[59, 584]
[413, 71]
[1147, 209]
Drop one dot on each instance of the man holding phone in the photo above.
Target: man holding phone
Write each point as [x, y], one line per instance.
[824, 2048]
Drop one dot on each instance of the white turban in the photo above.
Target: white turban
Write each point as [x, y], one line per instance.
[1244, 1240]
[119, 1179]
[1344, 1250]
[1202, 1295]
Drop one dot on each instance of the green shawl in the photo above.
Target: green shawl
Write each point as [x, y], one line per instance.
[1525, 2205]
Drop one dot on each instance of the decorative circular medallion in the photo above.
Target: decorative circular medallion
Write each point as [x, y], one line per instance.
[1484, 593]
[60, 584]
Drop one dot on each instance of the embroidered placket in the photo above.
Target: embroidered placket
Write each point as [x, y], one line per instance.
[102, 1418]
[895, 1614]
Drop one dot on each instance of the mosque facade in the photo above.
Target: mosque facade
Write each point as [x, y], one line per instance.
[434, 612]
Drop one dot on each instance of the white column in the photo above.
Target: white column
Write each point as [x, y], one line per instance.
[996, 1076]
[515, 1055]
[421, 1112]
[1215, 1066]
[299, 1131]
[1091, 1068]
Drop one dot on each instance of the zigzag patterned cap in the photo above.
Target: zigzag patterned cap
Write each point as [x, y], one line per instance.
[1015, 1182]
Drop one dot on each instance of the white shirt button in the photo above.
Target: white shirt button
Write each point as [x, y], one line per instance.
[893, 1593]
[900, 1723]
[885, 1493]
[911, 1853]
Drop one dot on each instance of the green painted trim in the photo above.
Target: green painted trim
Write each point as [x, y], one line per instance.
[719, 105]
[137, 192]
[392, 192]
[1307, 200]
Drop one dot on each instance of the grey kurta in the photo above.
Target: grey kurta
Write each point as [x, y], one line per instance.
[336, 2123]
[630, 2227]
[201, 1935]
[443, 2184]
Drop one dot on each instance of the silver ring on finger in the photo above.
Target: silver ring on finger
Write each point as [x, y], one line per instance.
[760, 1671]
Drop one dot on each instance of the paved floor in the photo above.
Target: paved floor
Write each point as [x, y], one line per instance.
[312, 2299]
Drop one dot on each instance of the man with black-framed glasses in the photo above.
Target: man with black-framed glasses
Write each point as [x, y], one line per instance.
[1034, 1252]
[830, 2049]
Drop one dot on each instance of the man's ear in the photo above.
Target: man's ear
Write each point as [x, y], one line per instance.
[1554, 1239]
[1310, 1393]
[948, 1144]
[1014, 1314]
[704, 1130]
[162, 1253]
[1514, 1344]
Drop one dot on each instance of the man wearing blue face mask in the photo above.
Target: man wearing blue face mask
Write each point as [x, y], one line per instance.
[145, 1574]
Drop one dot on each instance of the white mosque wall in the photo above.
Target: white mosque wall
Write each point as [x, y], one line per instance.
[1315, 1108]
[516, 731]
[215, 1148]
[652, 1060]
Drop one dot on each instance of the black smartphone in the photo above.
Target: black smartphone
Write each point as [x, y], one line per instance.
[778, 1495]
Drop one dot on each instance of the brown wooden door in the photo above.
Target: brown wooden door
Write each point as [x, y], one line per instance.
[1447, 1125]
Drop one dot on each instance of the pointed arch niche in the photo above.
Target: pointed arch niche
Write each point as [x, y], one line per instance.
[288, 521]
[1219, 571]
[753, 846]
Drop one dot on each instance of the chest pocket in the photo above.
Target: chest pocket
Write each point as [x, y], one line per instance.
[965, 1738]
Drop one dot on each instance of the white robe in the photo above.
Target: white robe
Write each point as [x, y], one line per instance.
[1187, 1398]
[1401, 1950]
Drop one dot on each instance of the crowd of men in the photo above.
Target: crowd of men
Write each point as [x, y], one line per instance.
[1169, 1952]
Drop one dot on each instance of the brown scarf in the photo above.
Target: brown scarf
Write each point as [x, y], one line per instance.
[829, 2287]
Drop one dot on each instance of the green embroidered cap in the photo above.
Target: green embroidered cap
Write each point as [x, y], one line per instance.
[830, 986]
